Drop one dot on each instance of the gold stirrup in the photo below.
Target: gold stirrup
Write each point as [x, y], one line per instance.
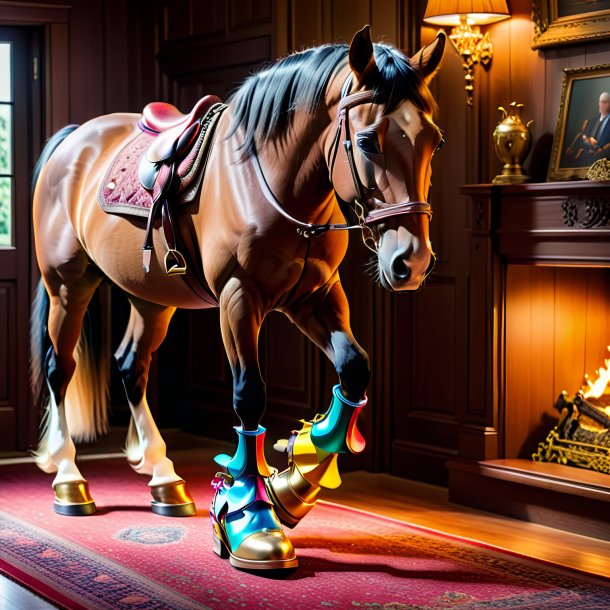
[174, 263]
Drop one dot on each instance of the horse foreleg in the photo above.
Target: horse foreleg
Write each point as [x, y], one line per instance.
[245, 526]
[145, 447]
[56, 451]
[313, 450]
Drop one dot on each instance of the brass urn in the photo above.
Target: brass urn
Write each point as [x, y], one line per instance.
[512, 140]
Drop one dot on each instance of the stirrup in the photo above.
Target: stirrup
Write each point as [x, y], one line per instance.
[174, 263]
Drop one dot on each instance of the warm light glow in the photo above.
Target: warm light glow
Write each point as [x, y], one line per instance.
[479, 12]
[471, 19]
[600, 385]
[465, 16]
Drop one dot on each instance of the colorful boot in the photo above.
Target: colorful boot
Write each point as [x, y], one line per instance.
[312, 458]
[245, 526]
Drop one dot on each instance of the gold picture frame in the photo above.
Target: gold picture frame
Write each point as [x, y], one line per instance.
[561, 22]
[581, 138]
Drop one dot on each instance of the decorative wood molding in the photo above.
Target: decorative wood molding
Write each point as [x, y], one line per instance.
[33, 13]
[586, 213]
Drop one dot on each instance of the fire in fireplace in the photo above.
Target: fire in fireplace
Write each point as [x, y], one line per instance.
[582, 436]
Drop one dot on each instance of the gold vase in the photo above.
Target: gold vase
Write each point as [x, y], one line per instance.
[512, 140]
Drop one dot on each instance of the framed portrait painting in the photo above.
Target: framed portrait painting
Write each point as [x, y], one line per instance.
[560, 22]
[582, 135]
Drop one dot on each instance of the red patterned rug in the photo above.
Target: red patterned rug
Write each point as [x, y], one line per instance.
[127, 557]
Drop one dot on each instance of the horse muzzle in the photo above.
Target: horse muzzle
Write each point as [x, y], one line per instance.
[404, 267]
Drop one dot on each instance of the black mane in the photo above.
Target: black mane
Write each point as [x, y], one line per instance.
[264, 105]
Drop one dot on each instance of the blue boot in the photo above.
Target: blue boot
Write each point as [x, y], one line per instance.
[336, 431]
[245, 526]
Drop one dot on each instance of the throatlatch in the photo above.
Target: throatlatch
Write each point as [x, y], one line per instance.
[312, 458]
[245, 526]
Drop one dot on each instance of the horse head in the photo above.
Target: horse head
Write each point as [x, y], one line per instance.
[379, 155]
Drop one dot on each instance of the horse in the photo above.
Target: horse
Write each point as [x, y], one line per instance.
[328, 140]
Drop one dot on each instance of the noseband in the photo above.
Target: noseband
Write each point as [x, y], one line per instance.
[362, 217]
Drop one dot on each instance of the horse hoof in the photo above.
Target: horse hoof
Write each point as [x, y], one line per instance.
[172, 500]
[73, 499]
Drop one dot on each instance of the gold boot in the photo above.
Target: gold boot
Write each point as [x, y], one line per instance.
[294, 491]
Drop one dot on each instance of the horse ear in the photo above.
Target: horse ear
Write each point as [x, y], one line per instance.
[361, 56]
[426, 61]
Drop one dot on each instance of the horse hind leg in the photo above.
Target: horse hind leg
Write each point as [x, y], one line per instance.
[145, 447]
[66, 414]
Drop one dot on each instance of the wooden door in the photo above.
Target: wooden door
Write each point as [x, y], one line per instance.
[19, 76]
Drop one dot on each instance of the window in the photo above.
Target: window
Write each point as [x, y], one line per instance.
[6, 146]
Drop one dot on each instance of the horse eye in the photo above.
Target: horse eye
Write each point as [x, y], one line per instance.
[440, 145]
[368, 143]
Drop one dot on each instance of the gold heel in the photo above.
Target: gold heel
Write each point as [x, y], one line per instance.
[172, 500]
[73, 499]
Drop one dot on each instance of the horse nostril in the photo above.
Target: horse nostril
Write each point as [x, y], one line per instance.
[400, 269]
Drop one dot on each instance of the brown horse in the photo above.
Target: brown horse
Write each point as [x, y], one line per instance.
[329, 134]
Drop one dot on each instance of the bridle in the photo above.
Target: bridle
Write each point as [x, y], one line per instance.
[358, 216]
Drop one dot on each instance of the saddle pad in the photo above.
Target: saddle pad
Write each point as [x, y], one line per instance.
[121, 191]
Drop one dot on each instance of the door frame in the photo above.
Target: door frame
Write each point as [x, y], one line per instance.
[49, 112]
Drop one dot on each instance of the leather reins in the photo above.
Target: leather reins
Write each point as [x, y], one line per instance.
[363, 217]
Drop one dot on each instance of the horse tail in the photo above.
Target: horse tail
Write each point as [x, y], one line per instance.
[39, 336]
[87, 395]
[86, 399]
[49, 148]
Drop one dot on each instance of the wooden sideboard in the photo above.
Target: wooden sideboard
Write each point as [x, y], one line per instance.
[562, 225]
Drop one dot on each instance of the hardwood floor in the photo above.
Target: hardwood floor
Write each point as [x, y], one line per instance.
[400, 499]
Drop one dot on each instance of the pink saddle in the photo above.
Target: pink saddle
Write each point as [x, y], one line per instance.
[142, 167]
[161, 167]
[159, 116]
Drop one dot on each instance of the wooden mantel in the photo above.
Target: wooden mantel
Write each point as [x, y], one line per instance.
[558, 223]
[561, 223]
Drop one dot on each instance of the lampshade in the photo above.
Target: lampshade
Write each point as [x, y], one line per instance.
[481, 12]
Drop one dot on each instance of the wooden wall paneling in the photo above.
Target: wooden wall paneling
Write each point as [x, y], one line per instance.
[209, 18]
[570, 328]
[597, 316]
[530, 358]
[144, 74]
[116, 78]
[541, 416]
[556, 331]
[178, 19]
[57, 112]
[386, 22]
[494, 91]
[310, 24]
[424, 426]
[349, 16]
[87, 67]
[8, 374]
[287, 365]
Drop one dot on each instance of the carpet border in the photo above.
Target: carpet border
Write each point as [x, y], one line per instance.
[35, 586]
[182, 601]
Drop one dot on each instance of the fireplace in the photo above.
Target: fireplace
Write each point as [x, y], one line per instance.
[539, 320]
